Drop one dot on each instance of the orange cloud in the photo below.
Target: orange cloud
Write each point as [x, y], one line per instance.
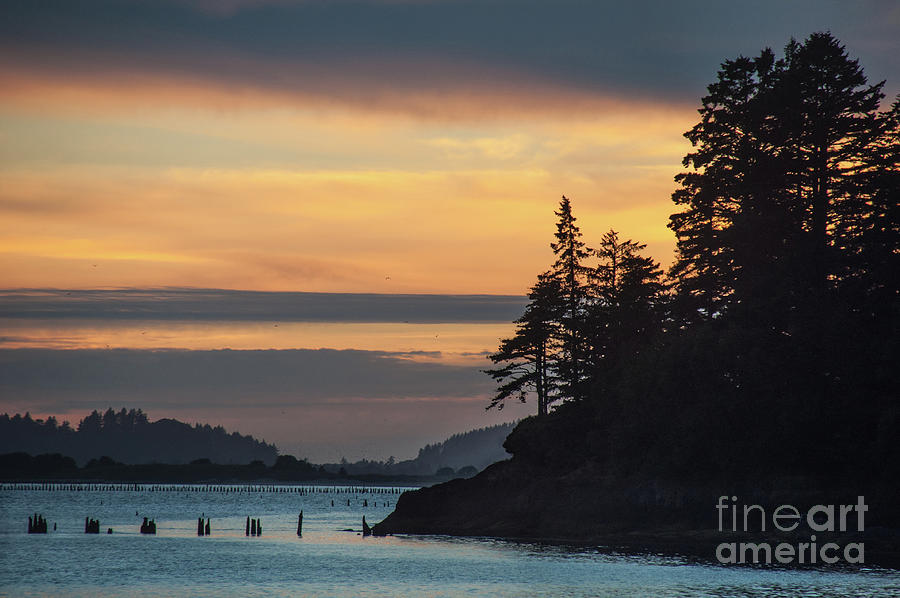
[464, 92]
[384, 231]
[306, 195]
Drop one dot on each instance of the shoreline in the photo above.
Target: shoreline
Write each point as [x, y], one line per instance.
[699, 546]
[59, 483]
[514, 501]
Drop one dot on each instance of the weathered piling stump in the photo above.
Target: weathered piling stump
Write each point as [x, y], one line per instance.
[148, 526]
[91, 526]
[38, 525]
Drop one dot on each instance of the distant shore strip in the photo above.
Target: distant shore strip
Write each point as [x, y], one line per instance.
[221, 488]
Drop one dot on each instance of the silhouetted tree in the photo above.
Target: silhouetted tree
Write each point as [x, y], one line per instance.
[788, 237]
[628, 302]
[781, 148]
[530, 357]
[570, 272]
[831, 113]
[91, 424]
[869, 228]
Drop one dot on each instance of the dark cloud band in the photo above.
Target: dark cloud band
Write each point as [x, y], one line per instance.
[63, 380]
[353, 49]
[228, 305]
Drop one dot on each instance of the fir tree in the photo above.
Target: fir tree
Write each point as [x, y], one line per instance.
[570, 273]
[529, 357]
[628, 306]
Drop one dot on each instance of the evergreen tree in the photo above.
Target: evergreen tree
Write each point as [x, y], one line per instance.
[788, 233]
[781, 148]
[629, 303]
[870, 230]
[734, 177]
[831, 113]
[530, 357]
[91, 424]
[570, 273]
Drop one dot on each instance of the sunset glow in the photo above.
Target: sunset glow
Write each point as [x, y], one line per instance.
[351, 147]
[331, 206]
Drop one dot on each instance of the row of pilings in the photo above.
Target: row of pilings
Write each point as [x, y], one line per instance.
[38, 525]
[220, 488]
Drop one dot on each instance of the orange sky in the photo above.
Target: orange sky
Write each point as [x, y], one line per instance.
[279, 194]
[307, 146]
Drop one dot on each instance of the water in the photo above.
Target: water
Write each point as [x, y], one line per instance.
[330, 561]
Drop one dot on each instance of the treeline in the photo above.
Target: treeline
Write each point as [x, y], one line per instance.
[462, 454]
[128, 436]
[22, 467]
[770, 346]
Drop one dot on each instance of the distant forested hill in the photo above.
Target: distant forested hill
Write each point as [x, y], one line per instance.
[128, 436]
[475, 449]
[478, 448]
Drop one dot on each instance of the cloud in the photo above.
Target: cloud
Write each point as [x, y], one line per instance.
[229, 305]
[64, 380]
[431, 59]
[230, 7]
[502, 148]
[387, 231]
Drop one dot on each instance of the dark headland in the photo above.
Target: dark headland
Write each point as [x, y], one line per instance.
[748, 395]
[539, 495]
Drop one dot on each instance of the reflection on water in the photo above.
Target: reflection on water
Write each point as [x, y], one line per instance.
[329, 561]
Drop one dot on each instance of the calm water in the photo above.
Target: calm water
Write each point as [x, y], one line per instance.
[331, 561]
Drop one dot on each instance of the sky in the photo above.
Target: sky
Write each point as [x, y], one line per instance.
[311, 220]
